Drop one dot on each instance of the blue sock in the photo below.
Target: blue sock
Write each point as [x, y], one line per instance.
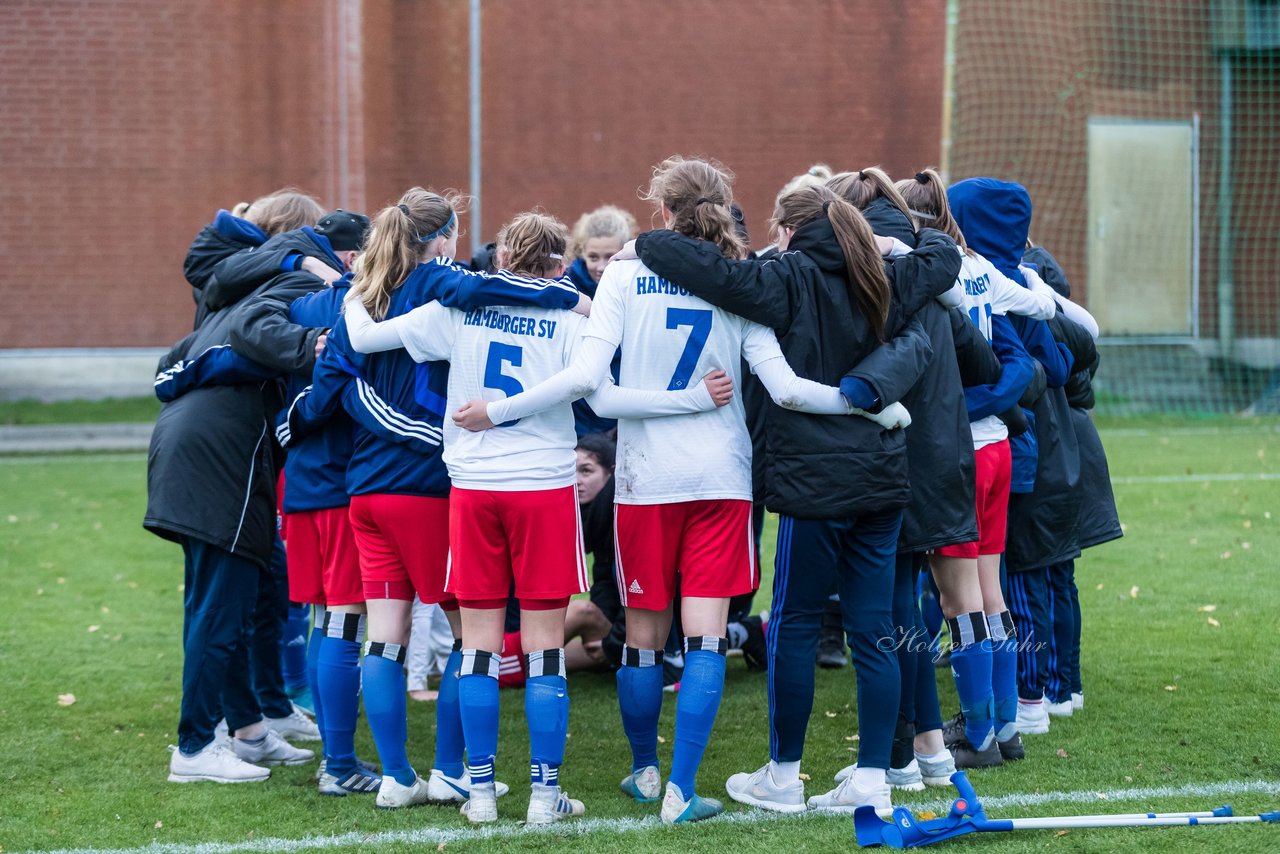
[384, 703]
[701, 687]
[546, 708]
[449, 740]
[313, 661]
[971, 666]
[294, 652]
[1004, 673]
[338, 673]
[478, 701]
[640, 702]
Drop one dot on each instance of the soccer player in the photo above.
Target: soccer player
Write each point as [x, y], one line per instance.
[513, 511]
[683, 484]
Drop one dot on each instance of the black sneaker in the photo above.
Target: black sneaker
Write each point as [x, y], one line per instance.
[953, 731]
[754, 651]
[967, 758]
[1011, 748]
[831, 653]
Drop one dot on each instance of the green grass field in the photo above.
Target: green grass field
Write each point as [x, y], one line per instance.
[1179, 665]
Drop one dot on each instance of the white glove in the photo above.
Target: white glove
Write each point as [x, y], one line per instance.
[892, 417]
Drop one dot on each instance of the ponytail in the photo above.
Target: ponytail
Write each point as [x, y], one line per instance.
[401, 237]
[862, 188]
[864, 267]
[926, 198]
[698, 194]
[534, 245]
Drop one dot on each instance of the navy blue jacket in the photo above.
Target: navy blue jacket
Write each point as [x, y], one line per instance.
[220, 239]
[239, 274]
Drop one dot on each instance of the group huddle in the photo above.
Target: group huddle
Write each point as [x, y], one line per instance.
[891, 376]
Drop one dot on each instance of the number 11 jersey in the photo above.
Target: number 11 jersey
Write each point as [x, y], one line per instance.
[671, 339]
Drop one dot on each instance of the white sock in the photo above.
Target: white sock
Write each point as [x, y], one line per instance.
[785, 773]
[936, 757]
[868, 778]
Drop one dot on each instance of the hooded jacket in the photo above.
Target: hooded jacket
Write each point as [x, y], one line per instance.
[995, 217]
[818, 466]
[220, 239]
[211, 469]
[238, 275]
[939, 444]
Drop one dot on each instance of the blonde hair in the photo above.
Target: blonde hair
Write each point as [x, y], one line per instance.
[605, 221]
[819, 173]
[534, 245]
[862, 188]
[926, 198]
[698, 193]
[283, 210]
[399, 239]
[864, 268]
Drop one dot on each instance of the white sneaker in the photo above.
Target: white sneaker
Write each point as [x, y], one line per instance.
[848, 796]
[549, 804]
[392, 795]
[908, 779]
[296, 727]
[644, 785]
[443, 789]
[676, 810]
[220, 732]
[1077, 701]
[759, 790]
[216, 763]
[1059, 710]
[937, 773]
[1033, 718]
[482, 805]
[273, 750]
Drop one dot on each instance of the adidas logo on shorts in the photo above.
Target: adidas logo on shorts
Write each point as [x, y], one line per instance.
[635, 588]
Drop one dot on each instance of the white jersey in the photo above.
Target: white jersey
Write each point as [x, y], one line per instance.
[985, 292]
[494, 353]
[670, 340]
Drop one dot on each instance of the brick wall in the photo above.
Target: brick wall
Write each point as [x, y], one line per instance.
[124, 126]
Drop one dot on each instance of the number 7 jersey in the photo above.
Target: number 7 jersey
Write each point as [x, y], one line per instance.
[494, 353]
[671, 339]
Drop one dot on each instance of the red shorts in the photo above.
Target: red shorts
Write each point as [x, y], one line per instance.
[511, 664]
[710, 545]
[993, 468]
[403, 542]
[532, 539]
[324, 568]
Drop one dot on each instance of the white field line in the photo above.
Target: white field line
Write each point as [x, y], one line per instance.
[1225, 477]
[437, 835]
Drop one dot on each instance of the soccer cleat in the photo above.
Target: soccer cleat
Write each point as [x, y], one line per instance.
[831, 652]
[676, 810]
[1077, 700]
[754, 650]
[1011, 748]
[759, 790]
[273, 750]
[216, 763]
[644, 785]
[358, 782]
[367, 767]
[907, 778]
[968, 758]
[482, 806]
[937, 772]
[392, 795]
[301, 697]
[295, 727]
[444, 789]
[1033, 718]
[848, 796]
[953, 730]
[548, 804]
[1059, 710]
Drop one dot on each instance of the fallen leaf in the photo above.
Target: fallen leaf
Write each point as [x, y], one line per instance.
[66, 699]
[440, 847]
[661, 740]
[1133, 592]
[1214, 623]
[1248, 523]
[1225, 555]
[62, 580]
[1245, 546]
[1193, 541]
[830, 714]
[1102, 796]
[182, 587]
[106, 610]
[159, 824]
[1171, 687]
[133, 585]
[1128, 779]
[39, 591]
[12, 519]
[1266, 515]
[853, 737]
[1208, 609]
[1062, 833]
[928, 815]
[804, 776]
[94, 629]
[1062, 754]
[1099, 587]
